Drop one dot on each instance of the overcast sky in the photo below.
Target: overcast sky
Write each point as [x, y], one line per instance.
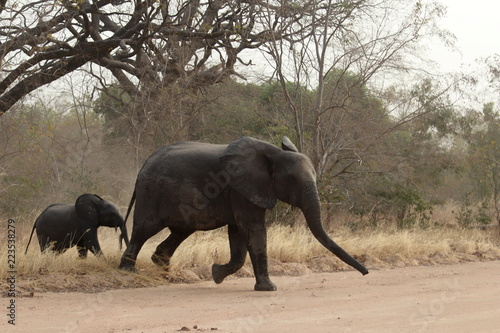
[476, 25]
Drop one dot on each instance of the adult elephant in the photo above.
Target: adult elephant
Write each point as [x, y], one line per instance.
[61, 226]
[193, 186]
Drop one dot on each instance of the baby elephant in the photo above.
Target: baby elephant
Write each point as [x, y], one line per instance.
[61, 226]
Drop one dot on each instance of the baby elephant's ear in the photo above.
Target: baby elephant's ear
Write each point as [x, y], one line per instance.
[250, 170]
[86, 206]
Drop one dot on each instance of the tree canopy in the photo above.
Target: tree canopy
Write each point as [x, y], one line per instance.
[163, 71]
[147, 46]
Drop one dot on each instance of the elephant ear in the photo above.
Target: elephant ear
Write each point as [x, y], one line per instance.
[249, 167]
[86, 209]
[287, 144]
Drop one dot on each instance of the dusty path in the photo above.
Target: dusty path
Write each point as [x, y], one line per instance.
[452, 298]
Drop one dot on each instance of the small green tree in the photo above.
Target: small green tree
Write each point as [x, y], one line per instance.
[484, 156]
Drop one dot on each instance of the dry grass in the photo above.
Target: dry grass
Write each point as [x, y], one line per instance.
[376, 248]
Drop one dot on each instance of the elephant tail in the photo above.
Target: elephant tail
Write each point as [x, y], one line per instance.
[29, 241]
[132, 200]
[123, 235]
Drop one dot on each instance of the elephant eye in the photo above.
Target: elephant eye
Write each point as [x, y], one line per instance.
[290, 179]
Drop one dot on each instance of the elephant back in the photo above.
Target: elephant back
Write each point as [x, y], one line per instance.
[181, 160]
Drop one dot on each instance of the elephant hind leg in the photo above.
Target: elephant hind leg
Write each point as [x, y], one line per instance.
[48, 246]
[45, 243]
[129, 257]
[139, 236]
[238, 247]
[166, 249]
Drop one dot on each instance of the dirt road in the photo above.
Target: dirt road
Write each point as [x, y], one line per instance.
[450, 298]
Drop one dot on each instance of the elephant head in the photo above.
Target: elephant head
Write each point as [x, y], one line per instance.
[264, 173]
[99, 212]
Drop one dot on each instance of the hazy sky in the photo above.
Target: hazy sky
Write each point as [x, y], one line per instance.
[476, 25]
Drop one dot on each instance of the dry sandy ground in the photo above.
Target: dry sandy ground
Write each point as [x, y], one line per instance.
[448, 298]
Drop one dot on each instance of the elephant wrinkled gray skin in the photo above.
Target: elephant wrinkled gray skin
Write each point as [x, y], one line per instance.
[61, 226]
[193, 186]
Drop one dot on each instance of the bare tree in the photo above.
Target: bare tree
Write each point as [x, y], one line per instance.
[348, 46]
[147, 45]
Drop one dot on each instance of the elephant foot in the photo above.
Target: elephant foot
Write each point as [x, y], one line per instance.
[128, 265]
[82, 253]
[218, 273]
[130, 269]
[161, 261]
[265, 286]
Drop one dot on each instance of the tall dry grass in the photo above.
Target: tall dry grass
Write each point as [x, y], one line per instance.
[377, 248]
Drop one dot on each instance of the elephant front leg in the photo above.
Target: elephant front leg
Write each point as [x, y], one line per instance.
[257, 247]
[237, 243]
[92, 243]
[82, 250]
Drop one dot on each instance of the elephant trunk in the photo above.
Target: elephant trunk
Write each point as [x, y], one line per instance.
[310, 206]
